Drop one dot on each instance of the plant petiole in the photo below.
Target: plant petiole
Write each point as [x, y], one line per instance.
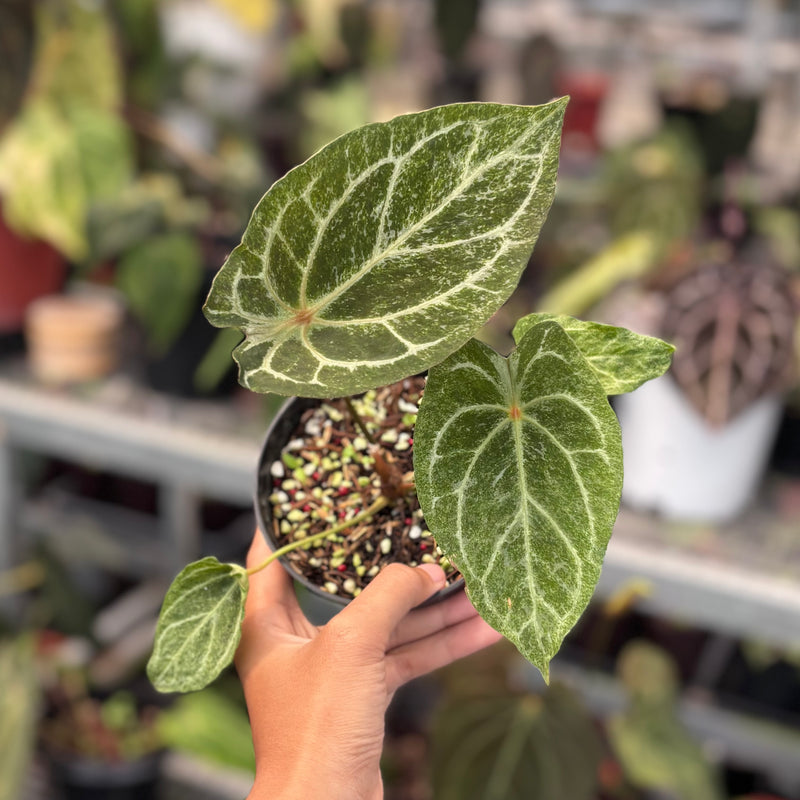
[360, 424]
[376, 506]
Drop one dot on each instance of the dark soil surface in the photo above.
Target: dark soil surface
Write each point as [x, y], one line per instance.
[328, 475]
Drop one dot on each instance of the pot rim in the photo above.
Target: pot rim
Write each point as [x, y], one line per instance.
[262, 472]
[92, 772]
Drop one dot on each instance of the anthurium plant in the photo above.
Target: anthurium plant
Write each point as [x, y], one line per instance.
[380, 258]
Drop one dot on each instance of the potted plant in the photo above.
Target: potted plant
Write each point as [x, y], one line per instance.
[67, 149]
[104, 745]
[107, 748]
[377, 259]
[522, 743]
[29, 269]
[711, 422]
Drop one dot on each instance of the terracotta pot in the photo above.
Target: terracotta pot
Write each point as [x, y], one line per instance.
[318, 605]
[29, 269]
[73, 338]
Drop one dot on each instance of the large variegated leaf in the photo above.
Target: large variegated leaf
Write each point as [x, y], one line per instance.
[622, 360]
[199, 626]
[518, 465]
[389, 248]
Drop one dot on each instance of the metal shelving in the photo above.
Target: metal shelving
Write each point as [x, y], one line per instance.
[725, 588]
[726, 596]
[186, 461]
[731, 581]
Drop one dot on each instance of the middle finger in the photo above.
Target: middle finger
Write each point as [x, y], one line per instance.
[422, 622]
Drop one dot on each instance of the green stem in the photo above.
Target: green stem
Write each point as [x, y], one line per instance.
[376, 506]
[358, 421]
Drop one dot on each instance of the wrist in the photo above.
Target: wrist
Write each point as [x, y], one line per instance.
[273, 788]
[267, 791]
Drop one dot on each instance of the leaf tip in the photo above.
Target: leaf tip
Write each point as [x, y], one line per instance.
[544, 667]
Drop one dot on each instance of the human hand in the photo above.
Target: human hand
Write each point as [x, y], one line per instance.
[317, 696]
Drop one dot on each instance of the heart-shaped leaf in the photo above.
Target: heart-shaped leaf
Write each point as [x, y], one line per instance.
[622, 360]
[199, 626]
[389, 248]
[518, 465]
[516, 748]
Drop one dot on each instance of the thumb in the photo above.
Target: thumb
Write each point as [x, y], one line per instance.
[387, 599]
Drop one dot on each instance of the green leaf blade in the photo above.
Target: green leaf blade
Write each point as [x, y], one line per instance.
[199, 626]
[368, 262]
[166, 266]
[518, 465]
[504, 747]
[622, 360]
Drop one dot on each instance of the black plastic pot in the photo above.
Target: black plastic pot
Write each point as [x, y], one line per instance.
[318, 605]
[77, 778]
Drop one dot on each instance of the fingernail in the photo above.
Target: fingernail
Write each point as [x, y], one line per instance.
[434, 572]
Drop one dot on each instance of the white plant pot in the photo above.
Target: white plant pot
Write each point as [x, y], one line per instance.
[679, 466]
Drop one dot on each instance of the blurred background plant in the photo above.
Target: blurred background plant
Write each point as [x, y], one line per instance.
[654, 748]
[19, 712]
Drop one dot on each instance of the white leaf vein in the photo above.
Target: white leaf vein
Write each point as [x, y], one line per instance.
[172, 664]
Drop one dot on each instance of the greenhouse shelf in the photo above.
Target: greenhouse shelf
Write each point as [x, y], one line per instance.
[742, 579]
[180, 446]
[142, 445]
[739, 580]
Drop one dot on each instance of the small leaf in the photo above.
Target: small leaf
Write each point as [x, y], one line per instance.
[516, 748]
[199, 626]
[657, 754]
[389, 248]
[648, 673]
[216, 363]
[652, 744]
[77, 59]
[105, 147]
[622, 360]
[518, 464]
